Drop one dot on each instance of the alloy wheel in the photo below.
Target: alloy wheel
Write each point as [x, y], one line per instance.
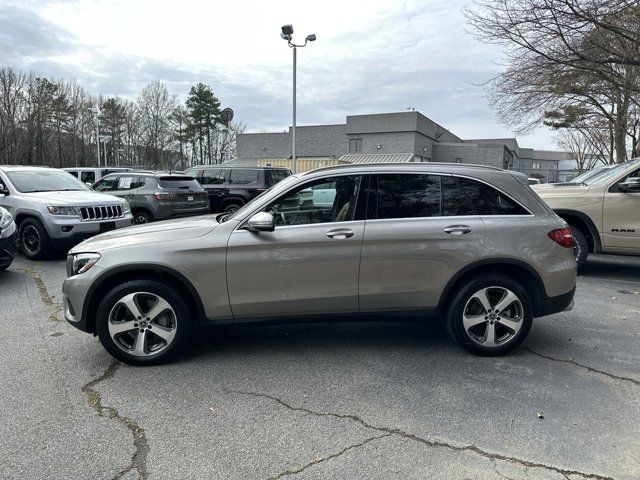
[493, 316]
[140, 219]
[142, 324]
[31, 239]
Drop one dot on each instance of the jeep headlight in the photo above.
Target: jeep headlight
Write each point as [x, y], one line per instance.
[5, 219]
[126, 208]
[62, 210]
[83, 262]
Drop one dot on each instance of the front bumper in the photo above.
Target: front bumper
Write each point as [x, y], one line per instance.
[67, 232]
[74, 295]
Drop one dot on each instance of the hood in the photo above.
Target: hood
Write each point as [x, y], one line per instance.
[561, 190]
[169, 230]
[80, 198]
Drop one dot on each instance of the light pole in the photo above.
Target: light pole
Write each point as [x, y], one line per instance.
[96, 112]
[287, 34]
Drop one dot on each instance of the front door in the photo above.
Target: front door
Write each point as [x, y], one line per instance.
[621, 219]
[308, 264]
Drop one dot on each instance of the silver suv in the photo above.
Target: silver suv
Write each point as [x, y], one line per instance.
[54, 210]
[472, 244]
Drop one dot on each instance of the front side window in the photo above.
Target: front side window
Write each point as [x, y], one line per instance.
[327, 200]
[243, 177]
[486, 200]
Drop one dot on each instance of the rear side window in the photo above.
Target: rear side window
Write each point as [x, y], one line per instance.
[408, 196]
[178, 182]
[487, 200]
[213, 176]
[75, 174]
[243, 177]
[129, 182]
[454, 201]
[274, 176]
[88, 177]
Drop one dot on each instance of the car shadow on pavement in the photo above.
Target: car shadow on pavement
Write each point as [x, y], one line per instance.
[612, 268]
[329, 336]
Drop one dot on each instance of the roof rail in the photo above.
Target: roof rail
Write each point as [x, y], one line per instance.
[408, 164]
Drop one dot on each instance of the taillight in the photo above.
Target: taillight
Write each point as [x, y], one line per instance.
[164, 196]
[562, 236]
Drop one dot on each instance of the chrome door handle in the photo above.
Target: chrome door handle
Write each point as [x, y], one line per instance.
[458, 229]
[340, 233]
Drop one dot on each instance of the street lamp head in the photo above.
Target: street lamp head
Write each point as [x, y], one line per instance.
[311, 38]
[287, 32]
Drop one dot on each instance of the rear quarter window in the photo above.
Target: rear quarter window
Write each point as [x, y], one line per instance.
[274, 176]
[487, 200]
[243, 177]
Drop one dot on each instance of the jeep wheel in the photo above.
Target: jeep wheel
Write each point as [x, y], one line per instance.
[140, 218]
[490, 315]
[34, 240]
[232, 208]
[580, 246]
[143, 322]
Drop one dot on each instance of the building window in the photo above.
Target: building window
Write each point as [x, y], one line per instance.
[355, 145]
[535, 165]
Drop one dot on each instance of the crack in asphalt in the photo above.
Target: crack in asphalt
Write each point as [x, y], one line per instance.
[139, 457]
[45, 296]
[586, 367]
[424, 441]
[328, 457]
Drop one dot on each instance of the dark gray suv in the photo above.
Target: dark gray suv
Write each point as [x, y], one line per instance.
[154, 196]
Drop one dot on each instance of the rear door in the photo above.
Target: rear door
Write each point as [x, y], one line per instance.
[420, 231]
[621, 219]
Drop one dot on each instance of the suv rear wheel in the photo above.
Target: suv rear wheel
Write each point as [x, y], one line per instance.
[140, 217]
[490, 314]
[143, 322]
[34, 239]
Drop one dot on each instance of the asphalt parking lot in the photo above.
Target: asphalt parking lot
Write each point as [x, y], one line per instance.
[383, 400]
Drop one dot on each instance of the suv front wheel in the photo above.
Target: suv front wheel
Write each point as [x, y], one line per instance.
[143, 322]
[490, 315]
[34, 240]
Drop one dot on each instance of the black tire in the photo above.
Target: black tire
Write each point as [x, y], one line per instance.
[34, 240]
[141, 217]
[580, 246]
[232, 207]
[168, 292]
[454, 315]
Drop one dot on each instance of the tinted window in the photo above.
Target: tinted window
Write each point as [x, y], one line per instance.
[213, 176]
[75, 174]
[178, 182]
[487, 200]
[107, 184]
[88, 177]
[408, 196]
[243, 177]
[454, 201]
[274, 176]
[335, 201]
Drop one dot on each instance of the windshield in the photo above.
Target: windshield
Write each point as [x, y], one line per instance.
[612, 173]
[584, 176]
[239, 215]
[29, 181]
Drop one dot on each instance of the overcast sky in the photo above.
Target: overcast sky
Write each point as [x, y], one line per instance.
[371, 56]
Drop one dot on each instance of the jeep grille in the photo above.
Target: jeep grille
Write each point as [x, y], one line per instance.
[101, 213]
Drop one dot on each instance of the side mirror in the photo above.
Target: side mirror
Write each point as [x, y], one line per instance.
[262, 222]
[632, 185]
[3, 190]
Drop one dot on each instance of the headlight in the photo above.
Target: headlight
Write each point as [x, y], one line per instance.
[126, 208]
[5, 219]
[62, 210]
[83, 262]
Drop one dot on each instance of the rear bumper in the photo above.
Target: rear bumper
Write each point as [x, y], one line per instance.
[560, 303]
[7, 250]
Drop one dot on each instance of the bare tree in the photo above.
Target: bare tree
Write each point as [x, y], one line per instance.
[155, 105]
